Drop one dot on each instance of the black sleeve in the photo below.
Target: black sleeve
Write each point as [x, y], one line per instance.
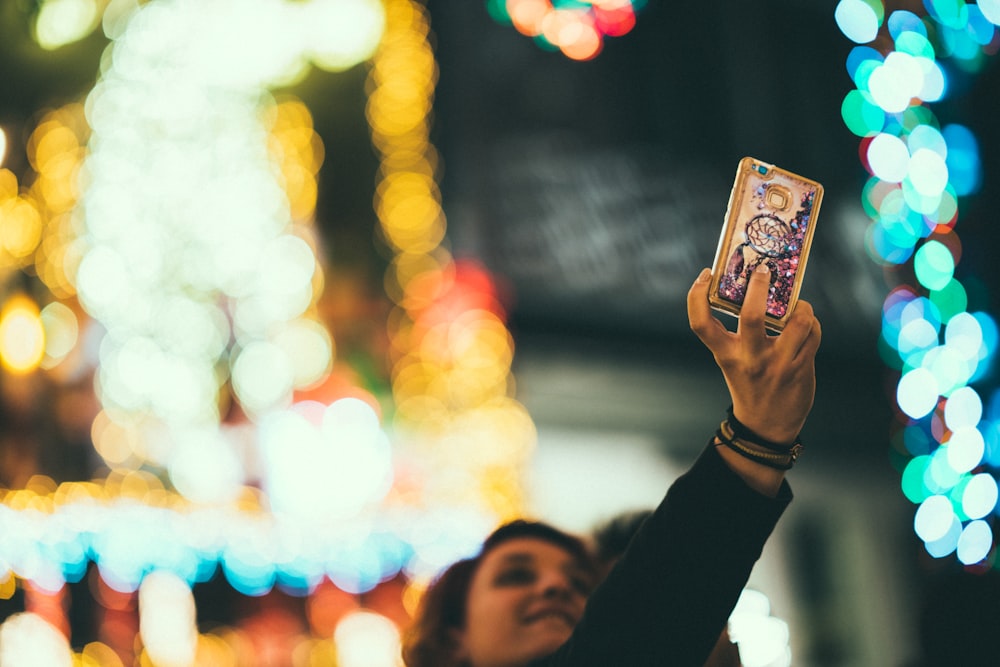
[669, 597]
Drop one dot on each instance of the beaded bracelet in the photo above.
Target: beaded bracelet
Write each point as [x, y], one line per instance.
[780, 460]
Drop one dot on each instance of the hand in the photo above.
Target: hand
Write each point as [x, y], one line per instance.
[771, 378]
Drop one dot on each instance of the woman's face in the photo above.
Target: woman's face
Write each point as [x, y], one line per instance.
[524, 601]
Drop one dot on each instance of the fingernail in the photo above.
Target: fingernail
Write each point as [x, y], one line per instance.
[704, 275]
[763, 269]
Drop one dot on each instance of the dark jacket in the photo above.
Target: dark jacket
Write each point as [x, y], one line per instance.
[669, 597]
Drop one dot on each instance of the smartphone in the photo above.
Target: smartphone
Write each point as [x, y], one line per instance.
[770, 220]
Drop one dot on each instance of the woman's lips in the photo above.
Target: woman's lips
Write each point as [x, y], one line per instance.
[563, 614]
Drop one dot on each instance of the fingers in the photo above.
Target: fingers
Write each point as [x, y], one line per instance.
[705, 326]
[751, 326]
[810, 345]
[802, 333]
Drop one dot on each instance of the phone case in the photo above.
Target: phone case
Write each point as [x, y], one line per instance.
[770, 219]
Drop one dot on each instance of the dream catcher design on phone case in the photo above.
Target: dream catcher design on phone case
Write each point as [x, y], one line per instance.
[768, 239]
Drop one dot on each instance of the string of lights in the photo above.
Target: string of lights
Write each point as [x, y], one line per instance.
[577, 28]
[170, 217]
[452, 352]
[944, 441]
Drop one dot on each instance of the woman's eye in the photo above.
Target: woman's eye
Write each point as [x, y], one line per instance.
[515, 577]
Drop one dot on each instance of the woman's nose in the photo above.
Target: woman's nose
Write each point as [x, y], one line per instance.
[556, 585]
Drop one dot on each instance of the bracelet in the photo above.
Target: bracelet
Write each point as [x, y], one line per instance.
[741, 431]
[783, 460]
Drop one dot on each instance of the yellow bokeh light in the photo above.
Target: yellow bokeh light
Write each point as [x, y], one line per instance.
[8, 585]
[22, 226]
[50, 140]
[8, 183]
[62, 22]
[55, 149]
[451, 350]
[100, 655]
[22, 337]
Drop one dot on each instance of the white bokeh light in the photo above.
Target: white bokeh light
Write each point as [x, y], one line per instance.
[933, 518]
[27, 639]
[857, 20]
[262, 377]
[934, 82]
[167, 620]
[888, 157]
[963, 409]
[896, 82]
[193, 262]
[762, 639]
[980, 496]
[329, 462]
[205, 467]
[928, 137]
[366, 639]
[62, 22]
[928, 172]
[991, 10]
[917, 335]
[947, 543]
[965, 449]
[950, 370]
[309, 349]
[975, 543]
[917, 393]
[964, 335]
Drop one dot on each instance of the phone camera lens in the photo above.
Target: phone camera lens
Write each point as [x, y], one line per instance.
[762, 169]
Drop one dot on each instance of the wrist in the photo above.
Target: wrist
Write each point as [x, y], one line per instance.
[764, 432]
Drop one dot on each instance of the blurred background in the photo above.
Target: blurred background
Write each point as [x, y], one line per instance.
[301, 298]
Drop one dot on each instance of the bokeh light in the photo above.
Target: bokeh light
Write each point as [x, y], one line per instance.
[577, 28]
[762, 638]
[980, 497]
[921, 168]
[934, 265]
[22, 335]
[167, 620]
[888, 157]
[861, 114]
[62, 22]
[171, 216]
[27, 639]
[990, 10]
[451, 379]
[859, 20]
[964, 407]
[975, 543]
[934, 518]
[917, 393]
[367, 639]
[197, 299]
[61, 330]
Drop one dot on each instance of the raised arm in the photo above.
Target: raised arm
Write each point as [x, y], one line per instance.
[771, 378]
[669, 596]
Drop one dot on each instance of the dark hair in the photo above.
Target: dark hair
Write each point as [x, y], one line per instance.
[612, 538]
[430, 639]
